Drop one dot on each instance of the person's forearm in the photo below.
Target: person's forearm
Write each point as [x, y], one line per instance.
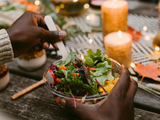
[6, 52]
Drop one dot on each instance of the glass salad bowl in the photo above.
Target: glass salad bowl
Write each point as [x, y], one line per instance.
[85, 99]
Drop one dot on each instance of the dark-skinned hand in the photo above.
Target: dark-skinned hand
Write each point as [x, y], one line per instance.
[118, 105]
[30, 31]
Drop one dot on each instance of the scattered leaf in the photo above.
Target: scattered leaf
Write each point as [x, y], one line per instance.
[135, 34]
[155, 56]
[151, 70]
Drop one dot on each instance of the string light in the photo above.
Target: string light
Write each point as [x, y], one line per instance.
[145, 28]
[75, 0]
[57, 9]
[88, 17]
[147, 37]
[156, 48]
[37, 2]
[90, 41]
[132, 65]
[62, 5]
[86, 6]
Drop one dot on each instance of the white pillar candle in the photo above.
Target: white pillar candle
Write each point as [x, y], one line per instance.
[114, 16]
[118, 47]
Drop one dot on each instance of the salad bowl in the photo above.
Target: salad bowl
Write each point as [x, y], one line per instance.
[83, 98]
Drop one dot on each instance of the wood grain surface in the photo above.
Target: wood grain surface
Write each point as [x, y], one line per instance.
[39, 104]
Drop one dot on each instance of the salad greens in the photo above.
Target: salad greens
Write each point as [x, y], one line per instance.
[71, 78]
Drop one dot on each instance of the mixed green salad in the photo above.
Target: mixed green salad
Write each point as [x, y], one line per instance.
[90, 76]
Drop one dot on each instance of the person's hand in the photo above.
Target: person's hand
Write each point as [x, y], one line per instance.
[30, 31]
[118, 105]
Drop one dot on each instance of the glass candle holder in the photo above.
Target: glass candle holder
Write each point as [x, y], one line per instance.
[69, 7]
[32, 60]
[94, 15]
[4, 76]
[156, 42]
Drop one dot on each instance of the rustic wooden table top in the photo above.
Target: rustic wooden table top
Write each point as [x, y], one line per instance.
[39, 104]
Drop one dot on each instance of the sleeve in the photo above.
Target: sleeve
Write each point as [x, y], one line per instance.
[6, 51]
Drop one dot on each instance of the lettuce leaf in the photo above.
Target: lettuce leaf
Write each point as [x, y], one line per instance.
[101, 79]
[77, 85]
[92, 58]
[102, 68]
[70, 58]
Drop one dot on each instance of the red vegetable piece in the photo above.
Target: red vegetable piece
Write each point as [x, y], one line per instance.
[63, 67]
[75, 65]
[58, 80]
[92, 68]
[76, 74]
[100, 85]
[79, 101]
[51, 77]
[74, 100]
[67, 86]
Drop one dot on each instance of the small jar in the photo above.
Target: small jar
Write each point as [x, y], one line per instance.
[32, 60]
[94, 19]
[4, 76]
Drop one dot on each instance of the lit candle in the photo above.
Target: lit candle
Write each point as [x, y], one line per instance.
[114, 16]
[118, 47]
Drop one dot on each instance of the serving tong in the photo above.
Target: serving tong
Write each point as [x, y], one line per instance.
[51, 26]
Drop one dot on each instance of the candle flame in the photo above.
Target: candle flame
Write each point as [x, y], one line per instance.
[90, 41]
[156, 48]
[145, 28]
[132, 65]
[119, 34]
[37, 2]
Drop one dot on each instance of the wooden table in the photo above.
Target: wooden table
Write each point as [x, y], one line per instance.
[39, 104]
